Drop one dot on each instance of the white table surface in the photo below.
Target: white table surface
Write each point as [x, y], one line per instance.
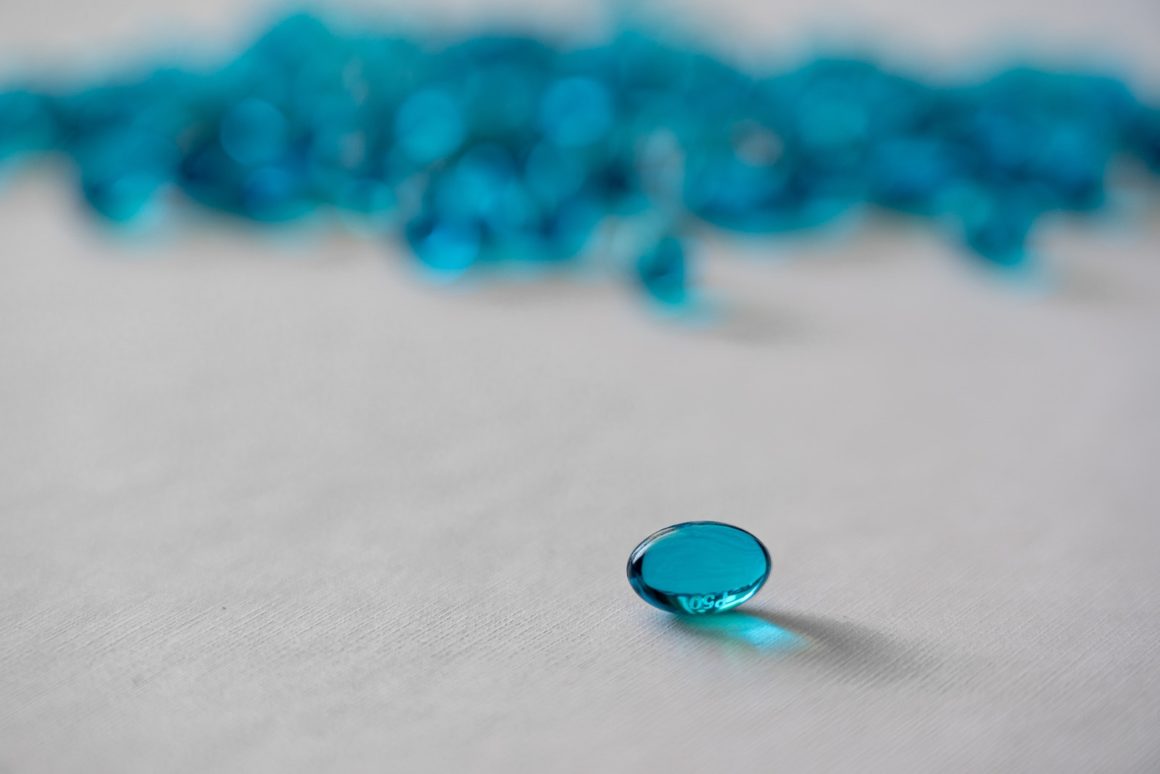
[270, 504]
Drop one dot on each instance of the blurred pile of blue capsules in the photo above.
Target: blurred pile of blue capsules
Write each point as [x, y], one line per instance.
[512, 150]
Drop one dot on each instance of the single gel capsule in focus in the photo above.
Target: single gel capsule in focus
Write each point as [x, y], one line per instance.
[698, 567]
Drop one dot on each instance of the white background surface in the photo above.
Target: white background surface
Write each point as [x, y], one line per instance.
[271, 505]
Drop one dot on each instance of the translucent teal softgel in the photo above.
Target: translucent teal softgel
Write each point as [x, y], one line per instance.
[698, 567]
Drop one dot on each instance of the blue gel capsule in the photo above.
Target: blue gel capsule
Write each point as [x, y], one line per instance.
[122, 172]
[26, 123]
[997, 228]
[429, 126]
[698, 567]
[566, 230]
[662, 271]
[731, 194]
[254, 132]
[471, 187]
[1068, 165]
[501, 78]
[366, 196]
[446, 247]
[208, 176]
[826, 126]
[1145, 137]
[1002, 142]
[285, 41]
[553, 174]
[274, 194]
[912, 174]
[121, 198]
[576, 112]
[513, 212]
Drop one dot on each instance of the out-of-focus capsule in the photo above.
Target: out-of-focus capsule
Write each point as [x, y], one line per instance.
[500, 83]
[662, 271]
[554, 174]
[122, 172]
[26, 123]
[996, 227]
[913, 174]
[448, 248]
[1069, 162]
[254, 132]
[738, 196]
[1145, 137]
[576, 112]
[275, 193]
[365, 195]
[565, 230]
[429, 126]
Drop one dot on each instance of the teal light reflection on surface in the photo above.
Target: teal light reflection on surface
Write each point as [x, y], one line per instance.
[751, 630]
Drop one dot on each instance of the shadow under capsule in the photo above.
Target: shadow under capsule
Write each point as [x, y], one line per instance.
[845, 649]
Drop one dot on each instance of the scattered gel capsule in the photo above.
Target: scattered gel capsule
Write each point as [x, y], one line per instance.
[275, 193]
[119, 199]
[472, 186]
[503, 78]
[566, 230]
[576, 112]
[698, 567]
[447, 248]
[1069, 162]
[26, 123]
[1146, 137]
[207, 175]
[662, 271]
[366, 196]
[913, 174]
[122, 173]
[735, 195]
[552, 174]
[502, 148]
[429, 126]
[254, 132]
[1001, 141]
[996, 228]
